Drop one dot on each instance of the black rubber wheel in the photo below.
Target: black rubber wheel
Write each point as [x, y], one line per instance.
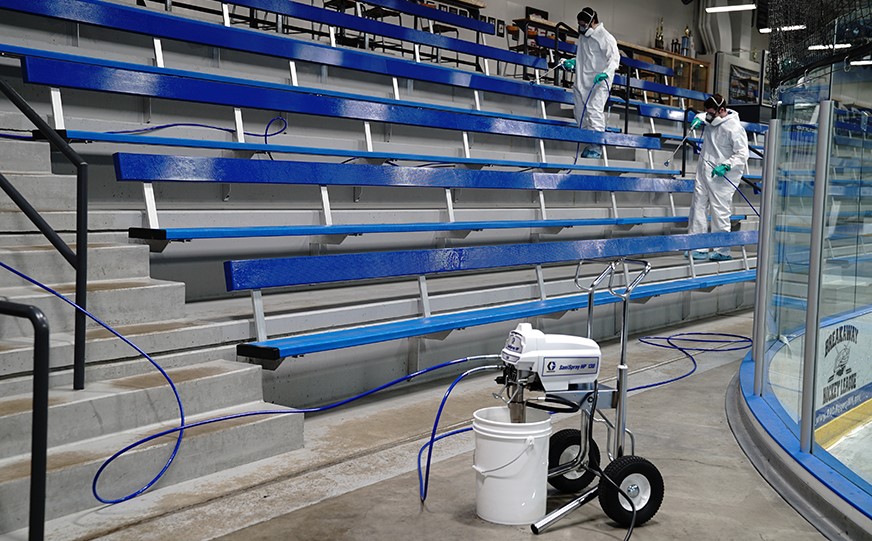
[563, 448]
[640, 480]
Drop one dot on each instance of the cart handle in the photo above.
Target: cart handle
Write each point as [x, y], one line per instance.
[646, 268]
[609, 271]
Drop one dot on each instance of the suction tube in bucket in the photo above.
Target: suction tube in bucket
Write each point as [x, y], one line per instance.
[511, 464]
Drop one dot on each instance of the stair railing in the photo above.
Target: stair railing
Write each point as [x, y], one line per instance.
[39, 431]
[78, 259]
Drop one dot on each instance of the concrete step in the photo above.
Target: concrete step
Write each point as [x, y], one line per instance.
[42, 191]
[45, 263]
[117, 302]
[204, 450]
[120, 404]
[164, 338]
[15, 120]
[65, 221]
[25, 157]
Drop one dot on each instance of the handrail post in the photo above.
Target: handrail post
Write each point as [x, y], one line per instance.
[81, 274]
[39, 430]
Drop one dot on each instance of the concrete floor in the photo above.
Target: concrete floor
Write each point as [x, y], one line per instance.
[356, 478]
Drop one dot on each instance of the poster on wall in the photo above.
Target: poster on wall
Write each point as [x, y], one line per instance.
[744, 86]
[844, 371]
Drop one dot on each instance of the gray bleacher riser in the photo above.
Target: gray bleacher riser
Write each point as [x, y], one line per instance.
[98, 220]
[45, 263]
[43, 192]
[117, 302]
[127, 403]
[205, 450]
[24, 157]
[17, 239]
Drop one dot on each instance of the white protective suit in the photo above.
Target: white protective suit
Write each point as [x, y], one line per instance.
[724, 141]
[595, 54]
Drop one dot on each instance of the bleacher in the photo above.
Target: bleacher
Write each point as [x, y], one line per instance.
[355, 206]
[502, 140]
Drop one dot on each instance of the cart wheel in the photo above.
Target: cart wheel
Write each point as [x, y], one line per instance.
[640, 480]
[563, 448]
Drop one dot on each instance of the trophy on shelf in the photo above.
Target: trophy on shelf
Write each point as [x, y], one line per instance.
[658, 36]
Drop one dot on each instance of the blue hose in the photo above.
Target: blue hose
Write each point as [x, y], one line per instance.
[266, 134]
[584, 112]
[183, 426]
[424, 484]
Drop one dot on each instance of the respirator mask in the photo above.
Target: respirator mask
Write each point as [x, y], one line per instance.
[584, 22]
[709, 117]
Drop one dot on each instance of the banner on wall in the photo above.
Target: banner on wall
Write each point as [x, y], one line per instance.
[844, 368]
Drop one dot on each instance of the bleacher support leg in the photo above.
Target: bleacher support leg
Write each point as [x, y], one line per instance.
[259, 316]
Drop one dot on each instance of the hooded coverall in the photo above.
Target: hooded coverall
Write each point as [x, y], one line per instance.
[724, 142]
[595, 54]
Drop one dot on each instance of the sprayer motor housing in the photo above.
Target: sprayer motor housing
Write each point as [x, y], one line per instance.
[560, 361]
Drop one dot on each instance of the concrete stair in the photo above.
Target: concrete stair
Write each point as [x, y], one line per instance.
[86, 427]
[125, 398]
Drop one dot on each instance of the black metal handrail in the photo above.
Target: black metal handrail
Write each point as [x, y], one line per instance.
[39, 431]
[79, 259]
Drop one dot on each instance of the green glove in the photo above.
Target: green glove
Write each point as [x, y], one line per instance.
[721, 170]
[600, 78]
[697, 122]
[568, 64]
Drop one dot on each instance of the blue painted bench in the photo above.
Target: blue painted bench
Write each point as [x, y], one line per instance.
[258, 274]
[434, 14]
[162, 25]
[166, 168]
[86, 68]
[565, 47]
[307, 12]
[189, 86]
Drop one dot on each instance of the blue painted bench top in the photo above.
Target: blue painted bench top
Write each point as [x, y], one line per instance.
[194, 233]
[242, 275]
[257, 274]
[81, 135]
[169, 168]
[162, 25]
[139, 82]
[308, 12]
[660, 88]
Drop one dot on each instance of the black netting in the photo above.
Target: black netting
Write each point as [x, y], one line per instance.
[833, 30]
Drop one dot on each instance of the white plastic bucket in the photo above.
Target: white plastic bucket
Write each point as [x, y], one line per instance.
[511, 464]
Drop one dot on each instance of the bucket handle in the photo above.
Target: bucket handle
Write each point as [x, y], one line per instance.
[529, 444]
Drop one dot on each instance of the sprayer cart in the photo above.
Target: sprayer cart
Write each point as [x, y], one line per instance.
[566, 369]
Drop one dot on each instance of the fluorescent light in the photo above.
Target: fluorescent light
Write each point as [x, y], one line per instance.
[791, 28]
[826, 47]
[861, 62]
[723, 9]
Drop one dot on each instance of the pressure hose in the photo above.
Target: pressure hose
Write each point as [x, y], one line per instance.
[182, 424]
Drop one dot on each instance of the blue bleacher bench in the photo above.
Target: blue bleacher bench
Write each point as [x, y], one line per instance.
[168, 168]
[163, 25]
[570, 48]
[258, 274]
[241, 93]
[308, 12]
[434, 14]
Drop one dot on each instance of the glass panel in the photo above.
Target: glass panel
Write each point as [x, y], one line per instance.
[798, 109]
[843, 375]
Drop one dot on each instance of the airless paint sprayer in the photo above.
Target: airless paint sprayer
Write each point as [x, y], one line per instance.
[566, 369]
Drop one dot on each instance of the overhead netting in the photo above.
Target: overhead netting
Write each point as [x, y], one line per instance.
[833, 31]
